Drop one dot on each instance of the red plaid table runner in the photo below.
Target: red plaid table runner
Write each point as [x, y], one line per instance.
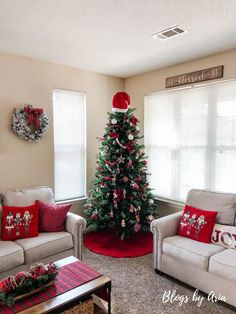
[69, 277]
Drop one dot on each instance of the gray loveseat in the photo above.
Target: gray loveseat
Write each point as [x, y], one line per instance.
[207, 267]
[49, 246]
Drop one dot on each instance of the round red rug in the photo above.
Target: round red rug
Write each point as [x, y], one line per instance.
[108, 242]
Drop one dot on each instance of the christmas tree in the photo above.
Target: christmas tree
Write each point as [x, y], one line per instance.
[120, 197]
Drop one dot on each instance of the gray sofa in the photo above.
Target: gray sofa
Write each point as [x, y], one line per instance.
[49, 246]
[207, 267]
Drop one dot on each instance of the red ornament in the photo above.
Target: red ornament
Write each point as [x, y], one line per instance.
[6, 285]
[137, 227]
[134, 120]
[102, 184]
[118, 194]
[37, 271]
[131, 209]
[130, 147]
[139, 178]
[145, 162]
[135, 186]
[125, 179]
[20, 277]
[129, 164]
[94, 217]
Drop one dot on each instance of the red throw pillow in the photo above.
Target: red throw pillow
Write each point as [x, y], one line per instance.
[197, 224]
[19, 222]
[52, 217]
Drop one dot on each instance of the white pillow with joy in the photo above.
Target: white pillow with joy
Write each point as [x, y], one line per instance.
[224, 235]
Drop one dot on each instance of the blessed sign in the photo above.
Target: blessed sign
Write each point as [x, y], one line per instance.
[194, 77]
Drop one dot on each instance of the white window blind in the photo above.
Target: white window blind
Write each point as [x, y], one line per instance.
[190, 138]
[69, 144]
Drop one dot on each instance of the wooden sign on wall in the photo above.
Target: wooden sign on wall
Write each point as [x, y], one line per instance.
[195, 77]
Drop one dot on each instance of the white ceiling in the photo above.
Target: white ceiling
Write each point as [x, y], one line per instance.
[114, 36]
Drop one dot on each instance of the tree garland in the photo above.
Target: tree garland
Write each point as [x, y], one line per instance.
[29, 123]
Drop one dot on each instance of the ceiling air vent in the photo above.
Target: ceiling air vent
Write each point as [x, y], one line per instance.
[170, 32]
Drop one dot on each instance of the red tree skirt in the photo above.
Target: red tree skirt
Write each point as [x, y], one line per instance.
[108, 242]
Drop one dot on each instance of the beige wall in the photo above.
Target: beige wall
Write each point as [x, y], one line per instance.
[24, 80]
[138, 86]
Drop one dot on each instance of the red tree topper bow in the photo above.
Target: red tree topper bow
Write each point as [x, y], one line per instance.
[33, 115]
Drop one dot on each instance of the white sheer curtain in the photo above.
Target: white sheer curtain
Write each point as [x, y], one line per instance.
[69, 144]
[190, 138]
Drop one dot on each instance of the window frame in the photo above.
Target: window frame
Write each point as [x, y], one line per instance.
[211, 144]
[83, 197]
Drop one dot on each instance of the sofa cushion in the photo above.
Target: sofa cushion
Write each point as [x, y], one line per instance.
[190, 251]
[11, 255]
[27, 197]
[223, 203]
[45, 244]
[224, 264]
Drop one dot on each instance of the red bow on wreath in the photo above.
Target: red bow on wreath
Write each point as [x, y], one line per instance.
[33, 115]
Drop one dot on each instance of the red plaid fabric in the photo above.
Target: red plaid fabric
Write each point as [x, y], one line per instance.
[52, 217]
[69, 277]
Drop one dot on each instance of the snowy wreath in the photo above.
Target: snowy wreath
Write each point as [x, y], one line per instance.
[29, 123]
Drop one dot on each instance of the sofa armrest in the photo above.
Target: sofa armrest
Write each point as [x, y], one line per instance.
[162, 228]
[75, 224]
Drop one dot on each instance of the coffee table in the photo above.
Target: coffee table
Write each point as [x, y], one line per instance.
[72, 297]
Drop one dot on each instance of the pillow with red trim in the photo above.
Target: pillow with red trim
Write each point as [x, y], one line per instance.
[52, 217]
[197, 224]
[224, 235]
[19, 222]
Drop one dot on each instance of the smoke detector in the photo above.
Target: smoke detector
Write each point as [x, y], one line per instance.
[170, 32]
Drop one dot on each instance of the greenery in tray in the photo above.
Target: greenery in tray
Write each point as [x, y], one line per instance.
[38, 276]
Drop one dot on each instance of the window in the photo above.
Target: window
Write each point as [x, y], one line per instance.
[69, 144]
[190, 137]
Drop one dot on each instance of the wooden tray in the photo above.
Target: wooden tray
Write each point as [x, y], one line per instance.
[28, 294]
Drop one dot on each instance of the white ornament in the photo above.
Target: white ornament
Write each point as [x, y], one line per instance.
[103, 153]
[113, 121]
[151, 201]
[137, 128]
[130, 137]
[150, 217]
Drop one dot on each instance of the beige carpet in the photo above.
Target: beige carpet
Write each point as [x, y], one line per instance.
[137, 289]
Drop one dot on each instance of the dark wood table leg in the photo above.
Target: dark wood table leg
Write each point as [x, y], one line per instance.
[108, 288]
